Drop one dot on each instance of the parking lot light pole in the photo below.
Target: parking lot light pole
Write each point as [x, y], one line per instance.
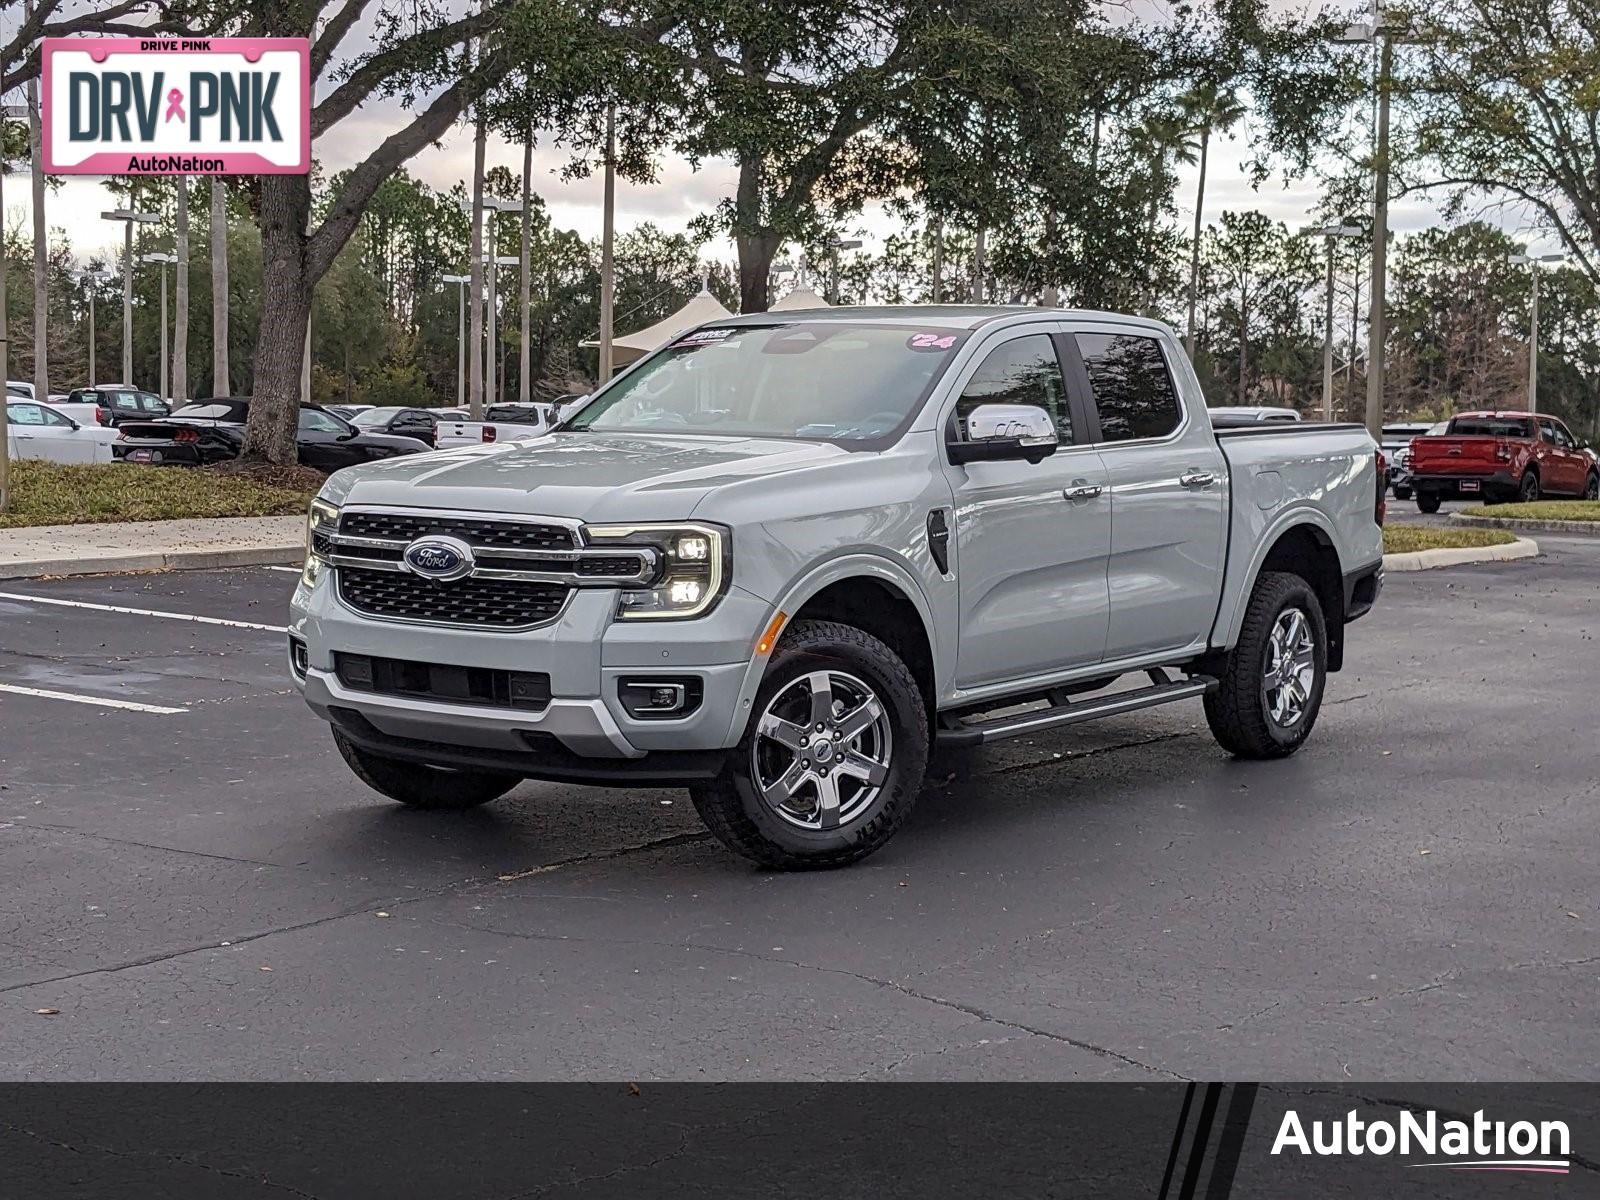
[128, 217]
[165, 260]
[494, 385]
[836, 245]
[1331, 233]
[1532, 261]
[461, 282]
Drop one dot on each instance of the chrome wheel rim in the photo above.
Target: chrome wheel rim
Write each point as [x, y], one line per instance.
[821, 751]
[1291, 669]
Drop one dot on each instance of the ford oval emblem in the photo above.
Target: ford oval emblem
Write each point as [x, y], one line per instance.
[440, 558]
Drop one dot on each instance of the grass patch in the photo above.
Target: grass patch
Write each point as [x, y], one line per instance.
[1543, 510]
[1403, 539]
[44, 493]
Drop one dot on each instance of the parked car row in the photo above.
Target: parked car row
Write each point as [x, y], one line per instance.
[213, 431]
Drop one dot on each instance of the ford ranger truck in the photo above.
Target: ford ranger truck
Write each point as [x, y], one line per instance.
[781, 559]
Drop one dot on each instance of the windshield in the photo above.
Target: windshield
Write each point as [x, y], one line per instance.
[370, 417]
[214, 410]
[821, 380]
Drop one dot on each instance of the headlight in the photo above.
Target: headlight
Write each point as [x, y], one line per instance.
[693, 574]
[322, 520]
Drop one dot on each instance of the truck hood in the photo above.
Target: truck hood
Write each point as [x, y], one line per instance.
[587, 476]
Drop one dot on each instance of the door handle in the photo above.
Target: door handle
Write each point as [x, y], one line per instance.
[1197, 479]
[1081, 489]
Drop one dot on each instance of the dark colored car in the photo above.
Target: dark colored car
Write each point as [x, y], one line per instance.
[1501, 457]
[416, 423]
[115, 403]
[213, 431]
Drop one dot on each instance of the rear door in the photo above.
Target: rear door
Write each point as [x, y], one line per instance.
[1566, 470]
[1168, 488]
[413, 423]
[1031, 538]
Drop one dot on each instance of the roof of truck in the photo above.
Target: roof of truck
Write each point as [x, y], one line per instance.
[940, 316]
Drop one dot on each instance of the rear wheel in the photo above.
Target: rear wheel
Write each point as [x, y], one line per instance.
[418, 785]
[1427, 503]
[1272, 681]
[1528, 490]
[833, 758]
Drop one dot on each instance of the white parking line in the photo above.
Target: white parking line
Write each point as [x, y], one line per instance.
[144, 612]
[103, 701]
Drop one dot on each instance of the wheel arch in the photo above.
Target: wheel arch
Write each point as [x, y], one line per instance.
[1301, 543]
[875, 595]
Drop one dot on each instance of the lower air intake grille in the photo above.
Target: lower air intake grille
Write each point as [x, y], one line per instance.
[483, 603]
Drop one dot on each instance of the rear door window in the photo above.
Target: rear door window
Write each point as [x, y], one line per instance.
[1131, 385]
[125, 401]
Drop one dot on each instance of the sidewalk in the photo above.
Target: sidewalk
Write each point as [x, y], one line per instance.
[151, 545]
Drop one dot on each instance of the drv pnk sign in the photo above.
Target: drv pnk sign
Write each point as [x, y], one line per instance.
[177, 106]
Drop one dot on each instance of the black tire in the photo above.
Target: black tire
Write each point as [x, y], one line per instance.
[1238, 710]
[1591, 486]
[1528, 489]
[1402, 493]
[1427, 503]
[417, 785]
[733, 806]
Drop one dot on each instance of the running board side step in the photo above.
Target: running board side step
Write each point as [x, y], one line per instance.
[977, 733]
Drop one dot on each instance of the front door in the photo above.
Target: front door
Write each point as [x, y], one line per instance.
[1168, 489]
[1030, 560]
[1566, 468]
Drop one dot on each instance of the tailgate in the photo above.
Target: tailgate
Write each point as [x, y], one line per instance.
[1447, 455]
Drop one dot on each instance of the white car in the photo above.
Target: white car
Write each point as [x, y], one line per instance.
[505, 423]
[53, 433]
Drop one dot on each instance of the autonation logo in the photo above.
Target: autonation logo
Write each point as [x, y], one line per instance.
[1476, 1145]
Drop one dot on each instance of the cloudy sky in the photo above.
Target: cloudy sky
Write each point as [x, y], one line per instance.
[678, 196]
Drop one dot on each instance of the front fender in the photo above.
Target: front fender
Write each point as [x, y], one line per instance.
[851, 565]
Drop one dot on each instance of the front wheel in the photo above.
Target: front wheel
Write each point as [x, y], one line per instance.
[833, 757]
[1591, 486]
[417, 785]
[1402, 493]
[1271, 685]
[1528, 491]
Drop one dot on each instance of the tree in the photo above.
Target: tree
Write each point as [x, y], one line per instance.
[1210, 108]
[1503, 97]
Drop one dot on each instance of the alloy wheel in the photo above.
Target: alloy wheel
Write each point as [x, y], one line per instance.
[821, 751]
[1291, 669]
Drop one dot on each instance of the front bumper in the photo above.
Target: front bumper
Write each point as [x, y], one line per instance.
[584, 731]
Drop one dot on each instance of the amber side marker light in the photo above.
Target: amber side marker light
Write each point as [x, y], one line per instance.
[769, 639]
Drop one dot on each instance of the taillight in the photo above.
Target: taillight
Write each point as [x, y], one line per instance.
[1380, 508]
[1502, 451]
[186, 435]
[490, 433]
[102, 417]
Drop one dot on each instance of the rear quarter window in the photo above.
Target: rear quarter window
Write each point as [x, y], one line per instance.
[1131, 385]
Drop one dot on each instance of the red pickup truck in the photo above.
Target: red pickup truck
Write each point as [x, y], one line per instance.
[1501, 457]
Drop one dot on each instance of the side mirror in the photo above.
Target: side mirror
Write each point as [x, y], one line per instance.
[74, 424]
[1005, 432]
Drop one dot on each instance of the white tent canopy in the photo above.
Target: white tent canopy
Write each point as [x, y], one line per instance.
[702, 307]
[801, 297]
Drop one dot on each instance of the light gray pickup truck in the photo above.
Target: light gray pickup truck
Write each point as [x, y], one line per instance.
[783, 558]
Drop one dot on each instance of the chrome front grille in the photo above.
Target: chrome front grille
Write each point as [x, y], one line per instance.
[522, 571]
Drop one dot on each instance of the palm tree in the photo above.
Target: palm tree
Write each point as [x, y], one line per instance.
[1164, 139]
[1209, 107]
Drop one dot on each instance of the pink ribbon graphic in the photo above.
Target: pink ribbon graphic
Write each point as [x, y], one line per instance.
[175, 105]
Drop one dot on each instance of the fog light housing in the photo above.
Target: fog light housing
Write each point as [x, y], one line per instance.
[299, 658]
[660, 698]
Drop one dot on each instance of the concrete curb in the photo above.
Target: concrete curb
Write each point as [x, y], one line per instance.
[176, 560]
[1578, 528]
[1426, 560]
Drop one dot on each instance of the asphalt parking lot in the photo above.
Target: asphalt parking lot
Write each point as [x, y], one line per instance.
[194, 886]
